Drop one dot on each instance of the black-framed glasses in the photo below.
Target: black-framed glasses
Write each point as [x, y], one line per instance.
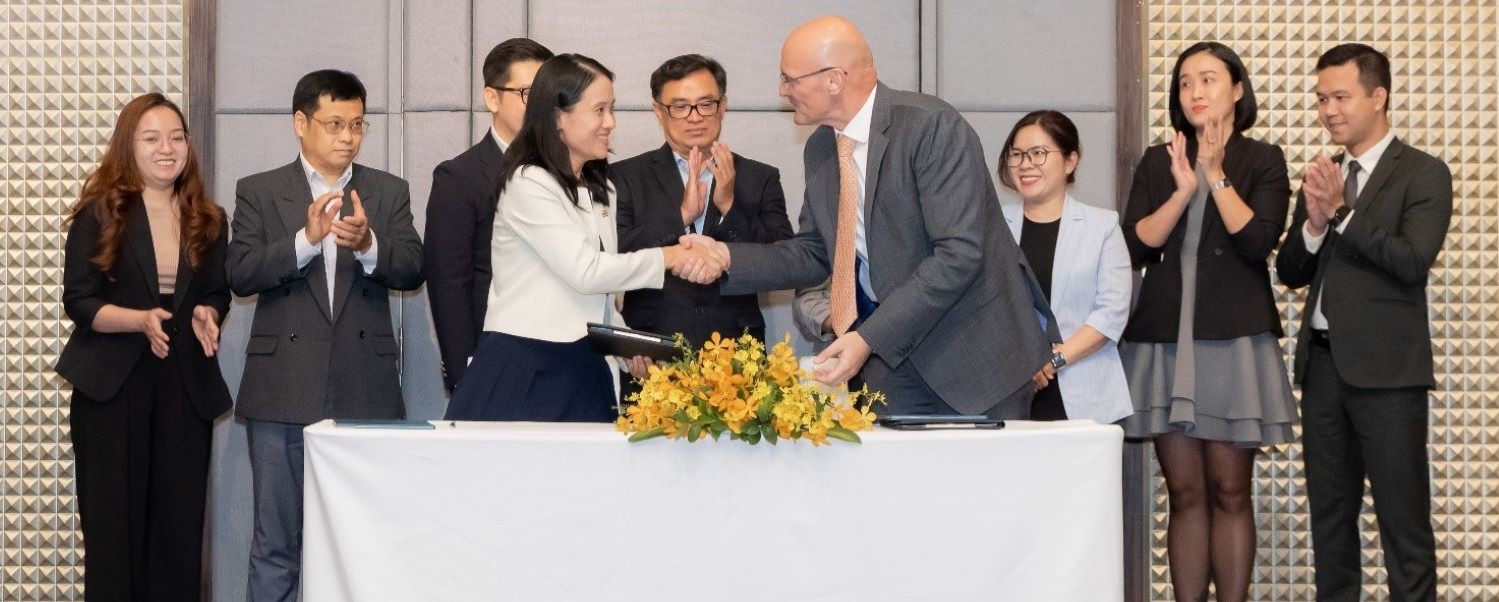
[524, 93]
[791, 81]
[1036, 155]
[681, 110]
[337, 126]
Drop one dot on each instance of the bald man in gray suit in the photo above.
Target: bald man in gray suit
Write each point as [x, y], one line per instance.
[947, 318]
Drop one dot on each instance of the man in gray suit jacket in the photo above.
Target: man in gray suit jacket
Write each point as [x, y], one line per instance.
[322, 241]
[946, 316]
[1367, 229]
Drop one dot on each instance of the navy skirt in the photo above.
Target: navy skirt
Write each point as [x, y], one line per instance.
[520, 379]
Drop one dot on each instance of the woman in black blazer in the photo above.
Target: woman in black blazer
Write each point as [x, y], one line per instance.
[1201, 350]
[144, 284]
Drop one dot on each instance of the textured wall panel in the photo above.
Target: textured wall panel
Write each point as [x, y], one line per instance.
[67, 71]
[632, 39]
[437, 76]
[1445, 77]
[1006, 55]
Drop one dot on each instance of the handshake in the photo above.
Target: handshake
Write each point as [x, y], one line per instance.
[697, 258]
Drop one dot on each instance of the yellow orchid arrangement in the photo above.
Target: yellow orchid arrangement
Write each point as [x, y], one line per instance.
[733, 386]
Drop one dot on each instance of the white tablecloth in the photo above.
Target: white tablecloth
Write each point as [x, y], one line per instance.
[557, 512]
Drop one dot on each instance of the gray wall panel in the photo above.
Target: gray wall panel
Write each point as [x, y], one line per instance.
[436, 68]
[1013, 55]
[1095, 172]
[494, 21]
[632, 39]
[265, 46]
[431, 138]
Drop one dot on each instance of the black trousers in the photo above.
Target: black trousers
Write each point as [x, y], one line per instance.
[1348, 433]
[141, 470]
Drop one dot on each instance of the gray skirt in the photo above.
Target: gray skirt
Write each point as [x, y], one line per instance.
[1238, 391]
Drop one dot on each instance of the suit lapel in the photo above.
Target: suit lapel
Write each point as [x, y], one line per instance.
[184, 278]
[664, 165]
[296, 195]
[1069, 232]
[879, 121]
[1382, 170]
[343, 275]
[138, 234]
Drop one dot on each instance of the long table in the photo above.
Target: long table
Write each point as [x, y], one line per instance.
[559, 512]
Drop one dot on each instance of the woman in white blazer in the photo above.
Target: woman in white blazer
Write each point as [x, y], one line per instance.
[554, 259]
[1079, 257]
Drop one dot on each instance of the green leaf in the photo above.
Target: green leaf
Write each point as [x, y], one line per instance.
[751, 438]
[647, 434]
[843, 434]
[752, 427]
[693, 432]
[770, 434]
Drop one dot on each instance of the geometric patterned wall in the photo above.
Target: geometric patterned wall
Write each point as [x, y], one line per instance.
[1446, 81]
[66, 69]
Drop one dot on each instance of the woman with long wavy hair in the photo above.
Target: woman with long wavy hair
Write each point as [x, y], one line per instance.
[145, 287]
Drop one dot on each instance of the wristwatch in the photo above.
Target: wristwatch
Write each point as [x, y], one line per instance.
[1058, 360]
[1220, 184]
[1338, 215]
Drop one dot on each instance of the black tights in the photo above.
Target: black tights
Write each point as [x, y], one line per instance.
[1210, 536]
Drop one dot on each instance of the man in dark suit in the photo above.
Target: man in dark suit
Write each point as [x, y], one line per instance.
[730, 198]
[1367, 228]
[322, 241]
[930, 296]
[460, 211]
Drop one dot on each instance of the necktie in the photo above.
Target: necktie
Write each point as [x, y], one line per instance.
[1350, 185]
[842, 305]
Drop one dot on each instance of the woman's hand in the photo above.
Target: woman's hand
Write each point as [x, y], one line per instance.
[206, 328]
[1181, 168]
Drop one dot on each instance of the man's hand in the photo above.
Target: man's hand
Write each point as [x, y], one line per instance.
[720, 250]
[843, 359]
[697, 264]
[321, 214]
[353, 231]
[695, 191]
[722, 167]
[1323, 187]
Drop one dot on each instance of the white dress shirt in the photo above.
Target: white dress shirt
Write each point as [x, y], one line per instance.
[858, 130]
[558, 261]
[327, 247]
[1366, 163]
[498, 141]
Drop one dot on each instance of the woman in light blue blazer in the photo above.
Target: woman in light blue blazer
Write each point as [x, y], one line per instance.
[1077, 253]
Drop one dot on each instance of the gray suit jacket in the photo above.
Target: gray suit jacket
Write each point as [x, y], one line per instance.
[1371, 278]
[304, 362]
[955, 296]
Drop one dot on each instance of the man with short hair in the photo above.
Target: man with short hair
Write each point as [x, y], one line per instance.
[1368, 226]
[929, 298]
[695, 183]
[460, 210]
[322, 241]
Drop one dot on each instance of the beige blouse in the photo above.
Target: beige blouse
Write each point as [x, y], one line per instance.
[167, 239]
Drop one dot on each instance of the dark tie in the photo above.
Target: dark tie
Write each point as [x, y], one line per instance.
[1350, 185]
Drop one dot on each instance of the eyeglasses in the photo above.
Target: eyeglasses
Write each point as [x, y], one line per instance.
[525, 93]
[681, 110]
[791, 81]
[336, 126]
[1037, 156]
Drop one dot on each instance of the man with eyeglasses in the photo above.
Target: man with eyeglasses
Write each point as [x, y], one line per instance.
[695, 184]
[929, 298]
[321, 241]
[460, 210]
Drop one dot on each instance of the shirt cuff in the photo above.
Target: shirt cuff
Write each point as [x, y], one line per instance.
[367, 258]
[1313, 243]
[1343, 225]
[305, 250]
